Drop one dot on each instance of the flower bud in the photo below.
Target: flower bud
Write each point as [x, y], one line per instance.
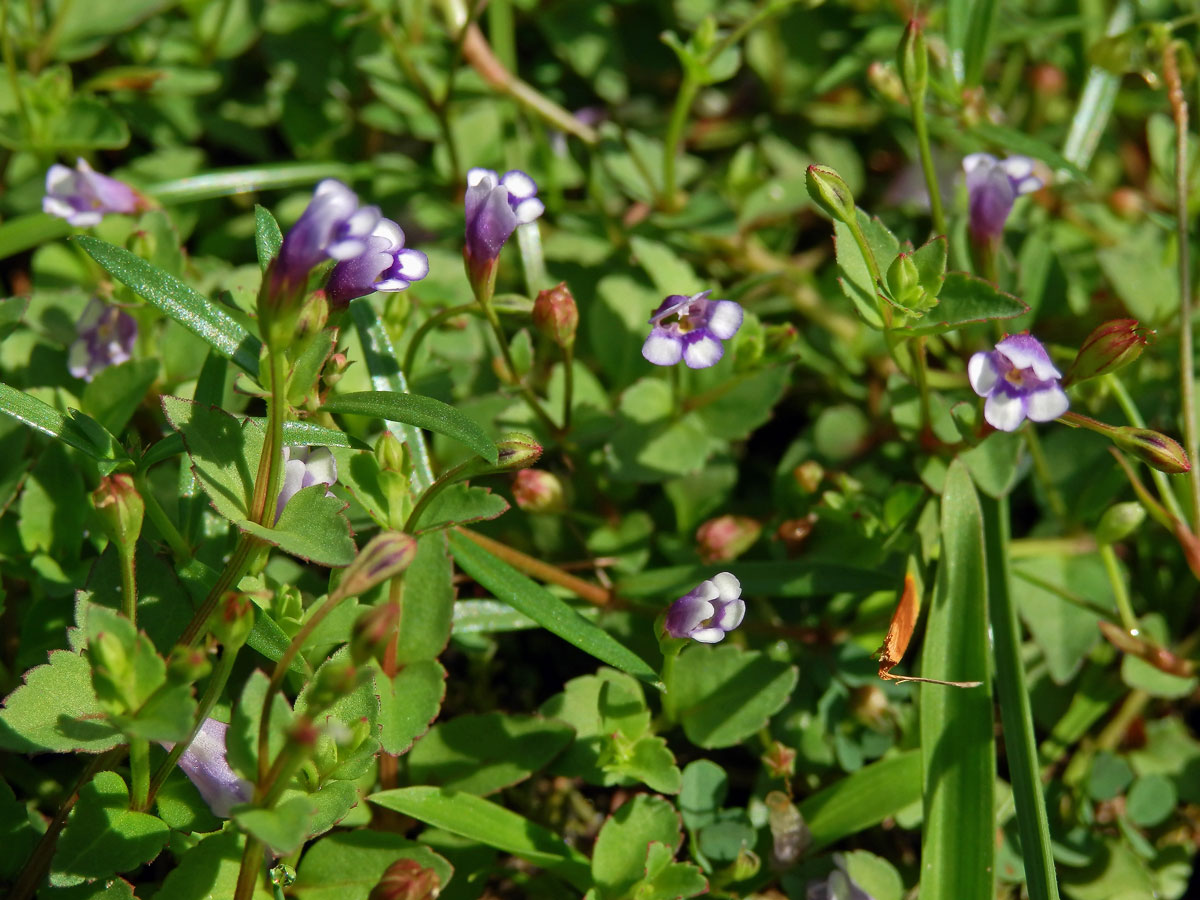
[780, 338]
[373, 631]
[335, 368]
[884, 79]
[386, 555]
[121, 509]
[304, 732]
[186, 665]
[726, 537]
[313, 316]
[904, 282]
[391, 453]
[538, 491]
[745, 866]
[912, 61]
[407, 879]
[830, 193]
[790, 834]
[1119, 521]
[336, 679]
[517, 451]
[809, 475]
[555, 314]
[233, 620]
[1154, 449]
[780, 761]
[1110, 347]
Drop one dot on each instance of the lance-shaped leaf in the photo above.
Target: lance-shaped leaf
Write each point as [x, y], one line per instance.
[421, 412]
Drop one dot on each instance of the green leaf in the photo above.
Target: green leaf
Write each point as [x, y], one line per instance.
[241, 740]
[619, 860]
[12, 310]
[134, 671]
[1096, 100]
[993, 462]
[189, 308]
[856, 281]
[461, 504]
[74, 428]
[722, 695]
[601, 708]
[17, 834]
[421, 412]
[1140, 267]
[267, 236]
[862, 799]
[779, 579]
[349, 864]
[965, 299]
[873, 874]
[209, 871]
[408, 703]
[969, 25]
[311, 527]
[930, 260]
[957, 737]
[670, 273]
[427, 621]
[511, 587]
[1151, 800]
[480, 754]
[386, 375]
[669, 880]
[491, 824]
[112, 397]
[283, 828]
[703, 792]
[648, 760]
[53, 506]
[103, 836]
[56, 709]
[21, 233]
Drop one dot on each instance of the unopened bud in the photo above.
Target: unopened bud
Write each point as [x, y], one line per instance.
[555, 314]
[121, 509]
[373, 631]
[391, 453]
[1127, 203]
[233, 620]
[885, 80]
[517, 451]
[386, 555]
[1110, 347]
[790, 835]
[780, 338]
[904, 282]
[830, 193]
[1154, 449]
[335, 368]
[538, 491]
[1119, 521]
[304, 732]
[780, 760]
[313, 316]
[407, 879]
[912, 61]
[1047, 80]
[745, 866]
[809, 475]
[726, 537]
[186, 665]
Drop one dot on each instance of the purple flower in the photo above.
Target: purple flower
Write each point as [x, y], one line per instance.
[106, 336]
[696, 334]
[303, 467]
[83, 196]
[495, 206]
[838, 885]
[992, 186]
[708, 612]
[204, 762]
[333, 226]
[386, 265]
[1019, 381]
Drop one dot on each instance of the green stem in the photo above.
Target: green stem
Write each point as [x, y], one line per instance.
[10, 64]
[921, 371]
[251, 869]
[45, 49]
[1015, 711]
[179, 547]
[410, 354]
[568, 386]
[1042, 467]
[530, 398]
[210, 43]
[212, 693]
[129, 594]
[671, 648]
[885, 308]
[502, 33]
[228, 579]
[1134, 415]
[270, 463]
[1120, 594]
[1187, 372]
[289, 761]
[139, 773]
[926, 153]
[679, 116]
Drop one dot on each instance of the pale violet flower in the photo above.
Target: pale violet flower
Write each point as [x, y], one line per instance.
[83, 196]
[106, 336]
[386, 265]
[992, 186]
[205, 763]
[495, 206]
[699, 326]
[708, 612]
[303, 467]
[332, 226]
[1019, 382]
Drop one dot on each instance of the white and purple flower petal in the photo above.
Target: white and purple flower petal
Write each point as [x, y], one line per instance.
[696, 334]
[106, 335]
[385, 265]
[992, 186]
[1019, 381]
[303, 467]
[663, 347]
[701, 349]
[83, 196]
[709, 611]
[332, 226]
[494, 207]
[205, 763]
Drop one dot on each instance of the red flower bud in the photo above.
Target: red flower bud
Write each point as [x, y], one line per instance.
[536, 491]
[555, 314]
[726, 537]
[407, 879]
[1110, 347]
[1154, 449]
